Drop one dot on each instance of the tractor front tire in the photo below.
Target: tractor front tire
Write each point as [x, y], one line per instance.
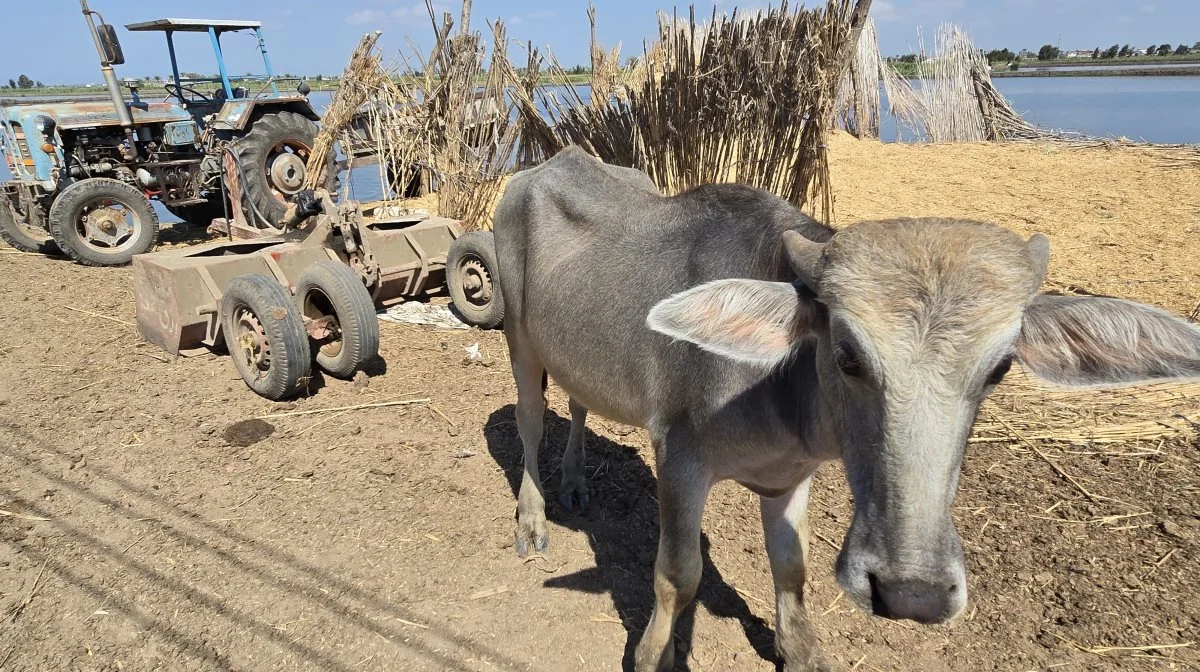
[103, 222]
[272, 157]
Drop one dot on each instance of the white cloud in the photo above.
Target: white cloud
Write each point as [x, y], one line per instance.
[883, 11]
[363, 16]
[1149, 8]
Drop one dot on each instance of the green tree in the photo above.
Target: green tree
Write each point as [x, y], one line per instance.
[1049, 52]
[24, 82]
[12, 83]
[1000, 56]
[1151, 50]
[1182, 50]
[1164, 49]
[1096, 53]
[38, 85]
[1125, 51]
[1111, 52]
[1196, 46]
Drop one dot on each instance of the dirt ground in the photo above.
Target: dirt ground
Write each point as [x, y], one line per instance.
[135, 535]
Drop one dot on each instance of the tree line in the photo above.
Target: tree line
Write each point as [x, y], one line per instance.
[24, 82]
[1049, 52]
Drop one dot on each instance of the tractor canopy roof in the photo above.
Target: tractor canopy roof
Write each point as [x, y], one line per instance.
[192, 25]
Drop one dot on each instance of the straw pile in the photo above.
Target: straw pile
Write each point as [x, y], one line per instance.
[1025, 407]
[747, 98]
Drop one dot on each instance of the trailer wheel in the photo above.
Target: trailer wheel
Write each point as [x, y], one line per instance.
[339, 316]
[103, 222]
[265, 337]
[21, 235]
[472, 279]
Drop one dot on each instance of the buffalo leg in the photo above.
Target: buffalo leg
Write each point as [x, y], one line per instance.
[574, 481]
[785, 526]
[683, 487]
[530, 376]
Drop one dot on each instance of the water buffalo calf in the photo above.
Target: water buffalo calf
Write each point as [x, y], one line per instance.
[754, 344]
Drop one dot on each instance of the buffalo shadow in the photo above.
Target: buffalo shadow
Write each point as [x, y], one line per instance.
[621, 525]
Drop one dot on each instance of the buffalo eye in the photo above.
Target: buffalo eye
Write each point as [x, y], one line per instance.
[1001, 369]
[847, 359]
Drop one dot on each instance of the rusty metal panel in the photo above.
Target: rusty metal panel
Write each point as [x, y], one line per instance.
[101, 113]
[291, 260]
[180, 134]
[233, 115]
[169, 305]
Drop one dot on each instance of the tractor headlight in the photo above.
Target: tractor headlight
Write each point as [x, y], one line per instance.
[46, 125]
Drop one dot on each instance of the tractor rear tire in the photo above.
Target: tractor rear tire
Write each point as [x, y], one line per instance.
[271, 158]
[265, 336]
[102, 222]
[330, 289]
[22, 236]
[472, 279]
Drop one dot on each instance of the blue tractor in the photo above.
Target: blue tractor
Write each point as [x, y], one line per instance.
[85, 171]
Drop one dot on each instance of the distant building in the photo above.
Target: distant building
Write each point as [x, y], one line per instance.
[1078, 53]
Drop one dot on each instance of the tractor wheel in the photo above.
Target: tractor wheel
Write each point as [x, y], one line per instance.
[340, 317]
[102, 222]
[272, 157]
[198, 214]
[265, 336]
[472, 279]
[21, 235]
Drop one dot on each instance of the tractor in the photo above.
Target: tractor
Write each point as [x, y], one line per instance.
[84, 171]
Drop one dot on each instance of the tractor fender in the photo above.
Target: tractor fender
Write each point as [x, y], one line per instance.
[236, 115]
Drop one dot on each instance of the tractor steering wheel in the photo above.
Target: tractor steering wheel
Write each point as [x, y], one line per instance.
[177, 91]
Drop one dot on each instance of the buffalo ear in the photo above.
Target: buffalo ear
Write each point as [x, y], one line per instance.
[748, 321]
[1103, 342]
[1039, 251]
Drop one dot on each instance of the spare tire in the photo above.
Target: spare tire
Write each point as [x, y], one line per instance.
[272, 157]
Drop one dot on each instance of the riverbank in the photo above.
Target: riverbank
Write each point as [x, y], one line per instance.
[1105, 72]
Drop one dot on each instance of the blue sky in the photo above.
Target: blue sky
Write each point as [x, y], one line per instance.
[316, 37]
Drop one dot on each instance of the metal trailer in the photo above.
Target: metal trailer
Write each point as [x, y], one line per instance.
[277, 303]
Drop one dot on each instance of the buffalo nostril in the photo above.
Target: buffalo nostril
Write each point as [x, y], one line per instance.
[921, 601]
[879, 606]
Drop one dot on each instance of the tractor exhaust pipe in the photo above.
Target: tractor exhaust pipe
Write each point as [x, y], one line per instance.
[110, 53]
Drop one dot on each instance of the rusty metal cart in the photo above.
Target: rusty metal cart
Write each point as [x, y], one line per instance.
[277, 303]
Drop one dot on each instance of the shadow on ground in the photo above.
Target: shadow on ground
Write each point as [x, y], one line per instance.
[622, 527]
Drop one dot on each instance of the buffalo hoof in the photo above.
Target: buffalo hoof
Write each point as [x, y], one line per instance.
[531, 535]
[574, 499]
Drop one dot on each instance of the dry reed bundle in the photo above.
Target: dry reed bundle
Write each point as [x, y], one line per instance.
[859, 101]
[746, 98]
[362, 76]
[474, 134]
